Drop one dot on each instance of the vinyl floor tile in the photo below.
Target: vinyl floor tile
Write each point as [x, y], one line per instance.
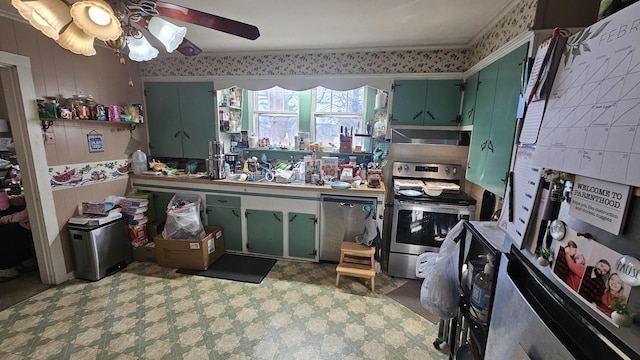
[150, 312]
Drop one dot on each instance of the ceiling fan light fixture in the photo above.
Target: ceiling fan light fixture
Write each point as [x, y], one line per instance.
[48, 16]
[97, 19]
[140, 49]
[76, 41]
[170, 35]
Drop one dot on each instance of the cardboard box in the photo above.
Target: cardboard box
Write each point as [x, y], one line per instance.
[146, 253]
[191, 254]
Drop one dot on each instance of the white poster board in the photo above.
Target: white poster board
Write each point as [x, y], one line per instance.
[600, 203]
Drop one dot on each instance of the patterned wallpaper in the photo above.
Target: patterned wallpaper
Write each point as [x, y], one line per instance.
[517, 21]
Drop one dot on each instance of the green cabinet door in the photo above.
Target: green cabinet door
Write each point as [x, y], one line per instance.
[442, 103]
[180, 118]
[224, 211]
[163, 119]
[503, 125]
[479, 146]
[426, 102]
[197, 111]
[409, 98]
[490, 150]
[229, 219]
[469, 99]
[302, 235]
[160, 202]
[264, 232]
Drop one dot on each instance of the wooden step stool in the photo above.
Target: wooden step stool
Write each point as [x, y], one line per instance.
[356, 260]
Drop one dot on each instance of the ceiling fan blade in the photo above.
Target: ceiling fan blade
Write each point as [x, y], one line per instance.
[187, 48]
[207, 20]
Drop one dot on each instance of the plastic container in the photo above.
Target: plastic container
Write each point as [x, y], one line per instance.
[139, 162]
[481, 291]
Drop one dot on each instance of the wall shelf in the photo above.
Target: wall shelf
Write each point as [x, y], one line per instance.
[48, 122]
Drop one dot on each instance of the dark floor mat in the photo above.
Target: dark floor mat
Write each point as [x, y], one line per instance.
[409, 296]
[236, 267]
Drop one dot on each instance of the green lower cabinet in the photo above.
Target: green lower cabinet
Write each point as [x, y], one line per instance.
[230, 221]
[160, 202]
[302, 235]
[264, 232]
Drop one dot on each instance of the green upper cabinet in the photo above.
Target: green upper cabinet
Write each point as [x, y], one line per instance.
[181, 118]
[494, 123]
[469, 99]
[426, 102]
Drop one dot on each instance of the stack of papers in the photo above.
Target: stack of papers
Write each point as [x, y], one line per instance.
[91, 219]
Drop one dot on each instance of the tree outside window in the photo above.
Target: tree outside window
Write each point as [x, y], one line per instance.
[276, 115]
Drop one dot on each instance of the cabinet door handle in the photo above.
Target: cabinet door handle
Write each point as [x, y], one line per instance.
[176, 135]
[416, 115]
[490, 147]
[187, 135]
[222, 201]
[235, 213]
[276, 216]
[314, 253]
[246, 214]
[431, 115]
[470, 113]
[249, 247]
[293, 218]
[483, 145]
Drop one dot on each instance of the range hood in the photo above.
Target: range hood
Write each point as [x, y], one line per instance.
[423, 136]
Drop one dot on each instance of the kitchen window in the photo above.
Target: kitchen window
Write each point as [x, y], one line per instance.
[334, 110]
[275, 115]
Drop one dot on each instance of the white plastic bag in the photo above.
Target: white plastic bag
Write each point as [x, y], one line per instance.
[183, 218]
[440, 291]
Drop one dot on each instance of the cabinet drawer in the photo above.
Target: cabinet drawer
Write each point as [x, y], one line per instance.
[223, 200]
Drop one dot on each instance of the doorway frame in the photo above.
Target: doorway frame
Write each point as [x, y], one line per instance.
[20, 97]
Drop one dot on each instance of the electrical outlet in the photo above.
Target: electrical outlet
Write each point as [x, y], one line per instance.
[50, 138]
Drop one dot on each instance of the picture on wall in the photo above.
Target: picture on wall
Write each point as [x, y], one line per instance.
[588, 269]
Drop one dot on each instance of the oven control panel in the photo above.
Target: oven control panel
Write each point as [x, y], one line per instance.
[427, 171]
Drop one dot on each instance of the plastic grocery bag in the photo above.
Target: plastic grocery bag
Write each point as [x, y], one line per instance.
[183, 218]
[440, 291]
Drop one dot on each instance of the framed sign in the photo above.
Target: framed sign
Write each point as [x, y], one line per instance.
[95, 141]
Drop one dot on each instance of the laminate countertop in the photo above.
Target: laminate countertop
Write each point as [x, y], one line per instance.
[191, 179]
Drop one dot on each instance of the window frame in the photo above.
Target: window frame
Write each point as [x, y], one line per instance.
[315, 114]
[255, 113]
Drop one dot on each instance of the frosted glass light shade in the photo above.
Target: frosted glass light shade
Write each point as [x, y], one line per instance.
[76, 41]
[170, 35]
[48, 16]
[140, 49]
[96, 18]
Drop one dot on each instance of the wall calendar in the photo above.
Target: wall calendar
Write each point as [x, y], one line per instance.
[592, 118]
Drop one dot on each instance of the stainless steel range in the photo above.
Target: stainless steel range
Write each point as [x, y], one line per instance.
[420, 221]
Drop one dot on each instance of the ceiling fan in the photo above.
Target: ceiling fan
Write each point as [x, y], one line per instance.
[74, 25]
[141, 12]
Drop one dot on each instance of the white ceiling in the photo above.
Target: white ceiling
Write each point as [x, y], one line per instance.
[295, 25]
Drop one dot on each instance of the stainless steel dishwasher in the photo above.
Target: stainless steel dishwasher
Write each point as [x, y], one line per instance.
[341, 219]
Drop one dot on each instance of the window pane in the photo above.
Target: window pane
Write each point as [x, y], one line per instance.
[277, 100]
[277, 127]
[333, 101]
[328, 128]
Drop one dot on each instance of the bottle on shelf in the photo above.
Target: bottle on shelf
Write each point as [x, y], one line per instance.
[481, 291]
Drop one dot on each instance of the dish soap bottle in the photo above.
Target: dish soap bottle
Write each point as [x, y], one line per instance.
[481, 291]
